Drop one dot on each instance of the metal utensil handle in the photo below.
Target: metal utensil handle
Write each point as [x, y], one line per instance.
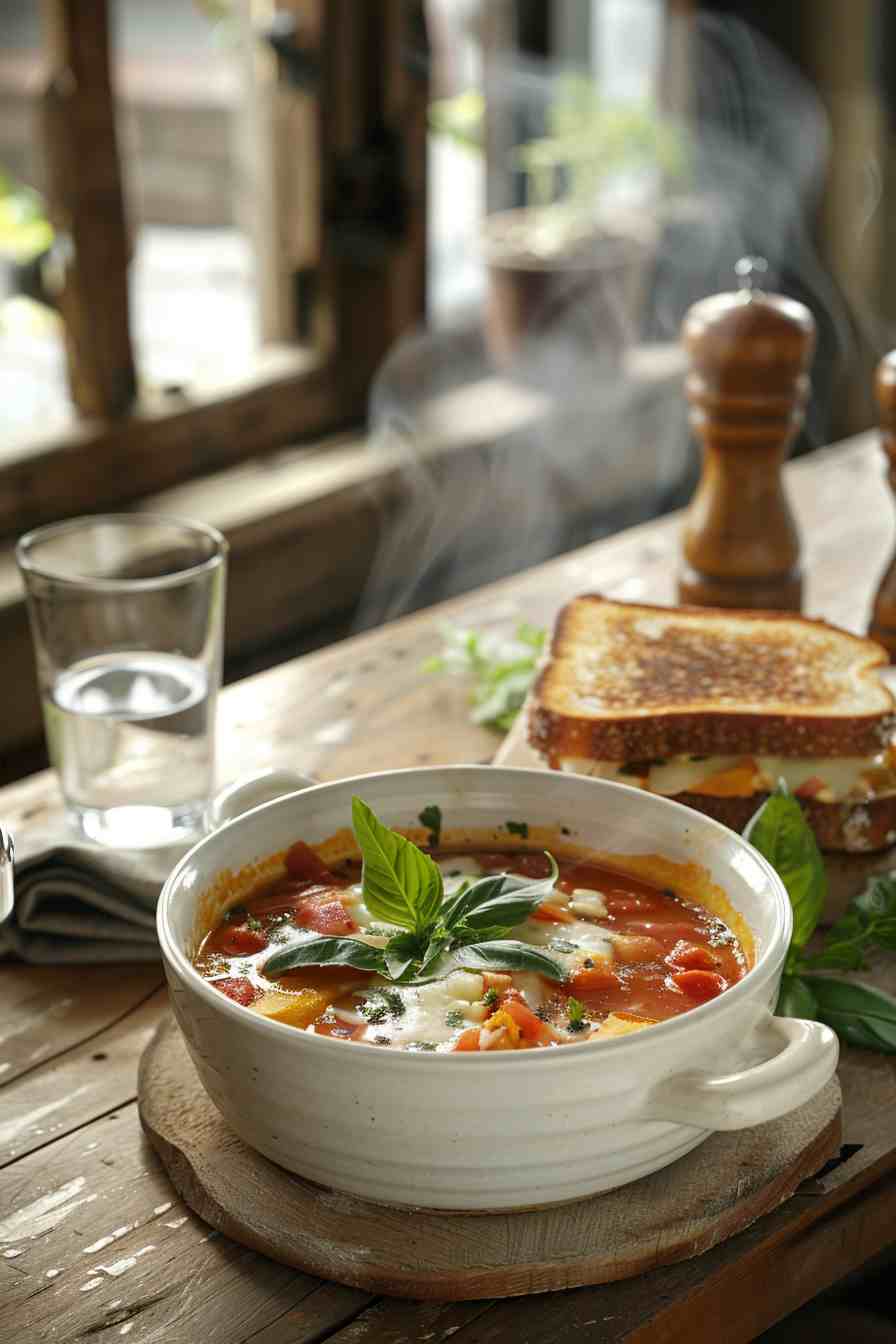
[7, 857]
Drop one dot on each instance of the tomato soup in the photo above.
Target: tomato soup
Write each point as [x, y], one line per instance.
[630, 954]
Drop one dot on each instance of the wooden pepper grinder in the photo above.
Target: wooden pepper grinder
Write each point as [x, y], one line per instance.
[882, 626]
[748, 388]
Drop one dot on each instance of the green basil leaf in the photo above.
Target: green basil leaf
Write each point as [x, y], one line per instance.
[326, 952]
[508, 955]
[858, 1013]
[462, 934]
[455, 906]
[879, 898]
[837, 957]
[401, 952]
[502, 900]
[431, 818]
[502, 696]
[507, 910]
[400, 884]
[885, 934]
[436, 956]
[795, 999]
[502, 670]
[783, 836]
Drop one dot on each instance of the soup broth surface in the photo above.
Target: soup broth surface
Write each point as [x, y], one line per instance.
[634, 954]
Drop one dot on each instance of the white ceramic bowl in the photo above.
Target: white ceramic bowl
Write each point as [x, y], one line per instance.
[493, 1131]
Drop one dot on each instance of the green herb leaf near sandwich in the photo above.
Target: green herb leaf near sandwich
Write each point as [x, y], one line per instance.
[501, 667]
[860, 1014]
[780, 832]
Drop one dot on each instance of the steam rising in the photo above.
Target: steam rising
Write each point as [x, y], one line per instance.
[569, 443]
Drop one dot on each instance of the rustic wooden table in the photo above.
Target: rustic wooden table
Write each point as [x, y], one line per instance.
[94, 1244]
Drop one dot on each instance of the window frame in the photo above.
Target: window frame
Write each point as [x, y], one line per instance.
[128, 441]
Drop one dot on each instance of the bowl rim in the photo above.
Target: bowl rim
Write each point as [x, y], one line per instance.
[766, 964]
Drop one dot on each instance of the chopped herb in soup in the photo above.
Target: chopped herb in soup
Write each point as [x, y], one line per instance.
[471, 950]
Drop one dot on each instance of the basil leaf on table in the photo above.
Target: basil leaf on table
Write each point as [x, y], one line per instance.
[859, 1014]
[878, 900]
[869, 922]
[783, 836]
[400, 884]
[842, 947]
[795, 999]
[323, 951]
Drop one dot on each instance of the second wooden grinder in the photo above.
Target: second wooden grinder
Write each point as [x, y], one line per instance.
[883, 612]
[748, 386]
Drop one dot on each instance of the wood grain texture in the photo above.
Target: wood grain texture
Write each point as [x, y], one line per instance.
[85, 1083]
[101, 1242]
[47, 1010]
[681, 1211]
[747, 387]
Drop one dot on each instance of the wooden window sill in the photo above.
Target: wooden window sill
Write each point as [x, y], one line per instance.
[304, 525]
[94, 466]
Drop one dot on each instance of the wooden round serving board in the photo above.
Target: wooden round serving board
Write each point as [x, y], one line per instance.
[713, 1192]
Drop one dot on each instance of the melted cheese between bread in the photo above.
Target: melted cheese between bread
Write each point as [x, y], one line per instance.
[827, 779]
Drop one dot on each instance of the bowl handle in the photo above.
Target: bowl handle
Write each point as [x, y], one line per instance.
[250, 791]
[804, 1061]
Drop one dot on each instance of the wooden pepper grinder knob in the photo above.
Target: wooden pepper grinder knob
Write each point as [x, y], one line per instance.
[883, 614]
[748, 387]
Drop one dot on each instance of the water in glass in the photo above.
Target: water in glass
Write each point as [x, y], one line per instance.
[131, 734]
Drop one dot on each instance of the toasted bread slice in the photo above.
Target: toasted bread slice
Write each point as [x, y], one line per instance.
[630, 682]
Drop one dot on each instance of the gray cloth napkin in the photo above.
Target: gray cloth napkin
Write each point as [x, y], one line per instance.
[75, 902]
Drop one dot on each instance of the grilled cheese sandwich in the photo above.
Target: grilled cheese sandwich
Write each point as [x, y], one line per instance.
[715, 708]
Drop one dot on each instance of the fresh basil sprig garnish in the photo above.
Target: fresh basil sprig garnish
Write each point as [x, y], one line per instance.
[860, 1014]
[403, 886]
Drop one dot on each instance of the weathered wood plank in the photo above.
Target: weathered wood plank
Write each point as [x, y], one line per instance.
[732, 1293]
[387, 1322]
[46, 1010]
[86, 1082]
[101, 1241]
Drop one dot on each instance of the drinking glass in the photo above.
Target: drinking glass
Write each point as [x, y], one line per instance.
[127, 614]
